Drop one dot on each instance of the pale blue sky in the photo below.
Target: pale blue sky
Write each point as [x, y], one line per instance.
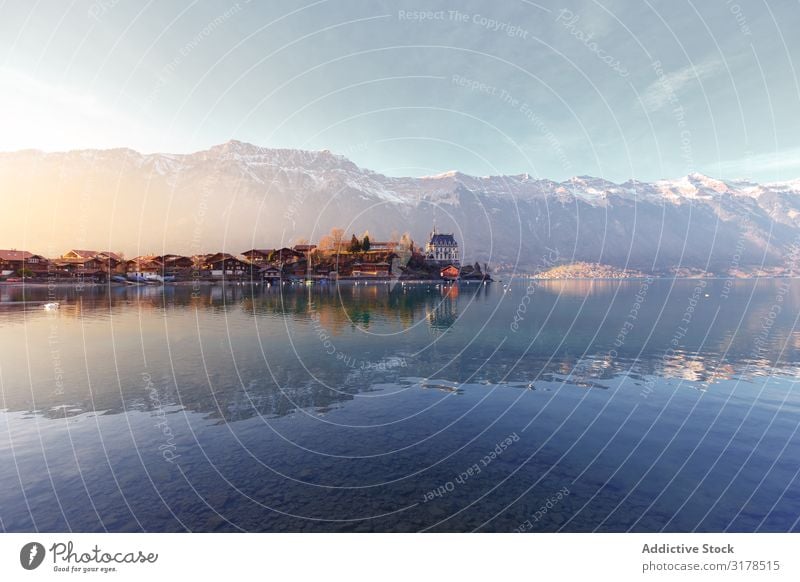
[555, 89]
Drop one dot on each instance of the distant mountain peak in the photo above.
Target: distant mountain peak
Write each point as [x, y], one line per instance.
[707, 181]
[234, 146]
[443, 175]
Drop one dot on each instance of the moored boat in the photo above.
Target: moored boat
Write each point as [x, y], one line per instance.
[146, 278]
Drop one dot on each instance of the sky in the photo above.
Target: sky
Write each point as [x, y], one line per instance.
[613, 89]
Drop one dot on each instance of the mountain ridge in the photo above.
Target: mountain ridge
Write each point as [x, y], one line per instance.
[233, 146]
[237, 195]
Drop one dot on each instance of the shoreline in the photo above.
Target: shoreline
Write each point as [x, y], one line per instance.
[510, 278]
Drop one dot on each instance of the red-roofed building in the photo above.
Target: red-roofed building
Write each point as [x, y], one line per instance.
[450, 272]
[12, 262]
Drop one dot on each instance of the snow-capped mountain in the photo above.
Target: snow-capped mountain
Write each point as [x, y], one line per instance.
[238, 196]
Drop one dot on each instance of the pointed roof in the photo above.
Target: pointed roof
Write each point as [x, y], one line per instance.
[442, 239]
[265, 252]
[82, 254]
[15, 255]
[109, 255]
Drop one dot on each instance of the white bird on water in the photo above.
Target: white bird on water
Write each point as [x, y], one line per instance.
[51, 306]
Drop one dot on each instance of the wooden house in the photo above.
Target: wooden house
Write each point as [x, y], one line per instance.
[81, 264]
[78, 256]
[14, 262]
[368, 270]
[89, 264]
[144, 265]
[109, 262]
[286, 255]
[297, 269]
[177, 262]
[258, 256]
[305, 250]
[226, 266]
[271, 273]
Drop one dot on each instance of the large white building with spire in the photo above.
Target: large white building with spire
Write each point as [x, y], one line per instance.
[442, 249]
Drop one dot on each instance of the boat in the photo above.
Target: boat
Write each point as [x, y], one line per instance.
[147, 278]
[52, 306]
[118, 279]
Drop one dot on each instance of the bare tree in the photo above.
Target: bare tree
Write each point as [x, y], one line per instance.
[405, 241]
[337, 236]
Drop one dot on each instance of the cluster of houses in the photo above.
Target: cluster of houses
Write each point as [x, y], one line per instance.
[105, 266]
[308, 262]
[300, 262]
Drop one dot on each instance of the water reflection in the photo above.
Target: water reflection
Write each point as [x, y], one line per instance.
[339, 408]
[235, 352]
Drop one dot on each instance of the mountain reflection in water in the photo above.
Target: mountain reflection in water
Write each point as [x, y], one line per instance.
[666, 404]
[237, 351]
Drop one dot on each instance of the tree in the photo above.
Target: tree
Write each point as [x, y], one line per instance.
[365, 243]
[326, 243]
[355, 246]
[404, 249]
[406, 243]
[337, 237]
[477, 267]
[25, 272]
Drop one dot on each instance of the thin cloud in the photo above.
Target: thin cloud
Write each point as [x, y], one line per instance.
[668, 86]
[778, 161]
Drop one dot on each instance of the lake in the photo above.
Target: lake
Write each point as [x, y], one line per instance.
[636, 405]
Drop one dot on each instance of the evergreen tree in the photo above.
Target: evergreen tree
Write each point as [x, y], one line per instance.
[355, 246]
[365, 243]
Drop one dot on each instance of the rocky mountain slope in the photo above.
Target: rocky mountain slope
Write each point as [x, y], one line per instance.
[237, 196]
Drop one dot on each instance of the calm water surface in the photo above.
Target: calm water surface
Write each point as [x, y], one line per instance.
[562, 406]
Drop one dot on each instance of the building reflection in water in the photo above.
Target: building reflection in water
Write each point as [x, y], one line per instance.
[234, 352]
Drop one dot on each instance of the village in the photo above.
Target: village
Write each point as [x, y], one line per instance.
[334, 258]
